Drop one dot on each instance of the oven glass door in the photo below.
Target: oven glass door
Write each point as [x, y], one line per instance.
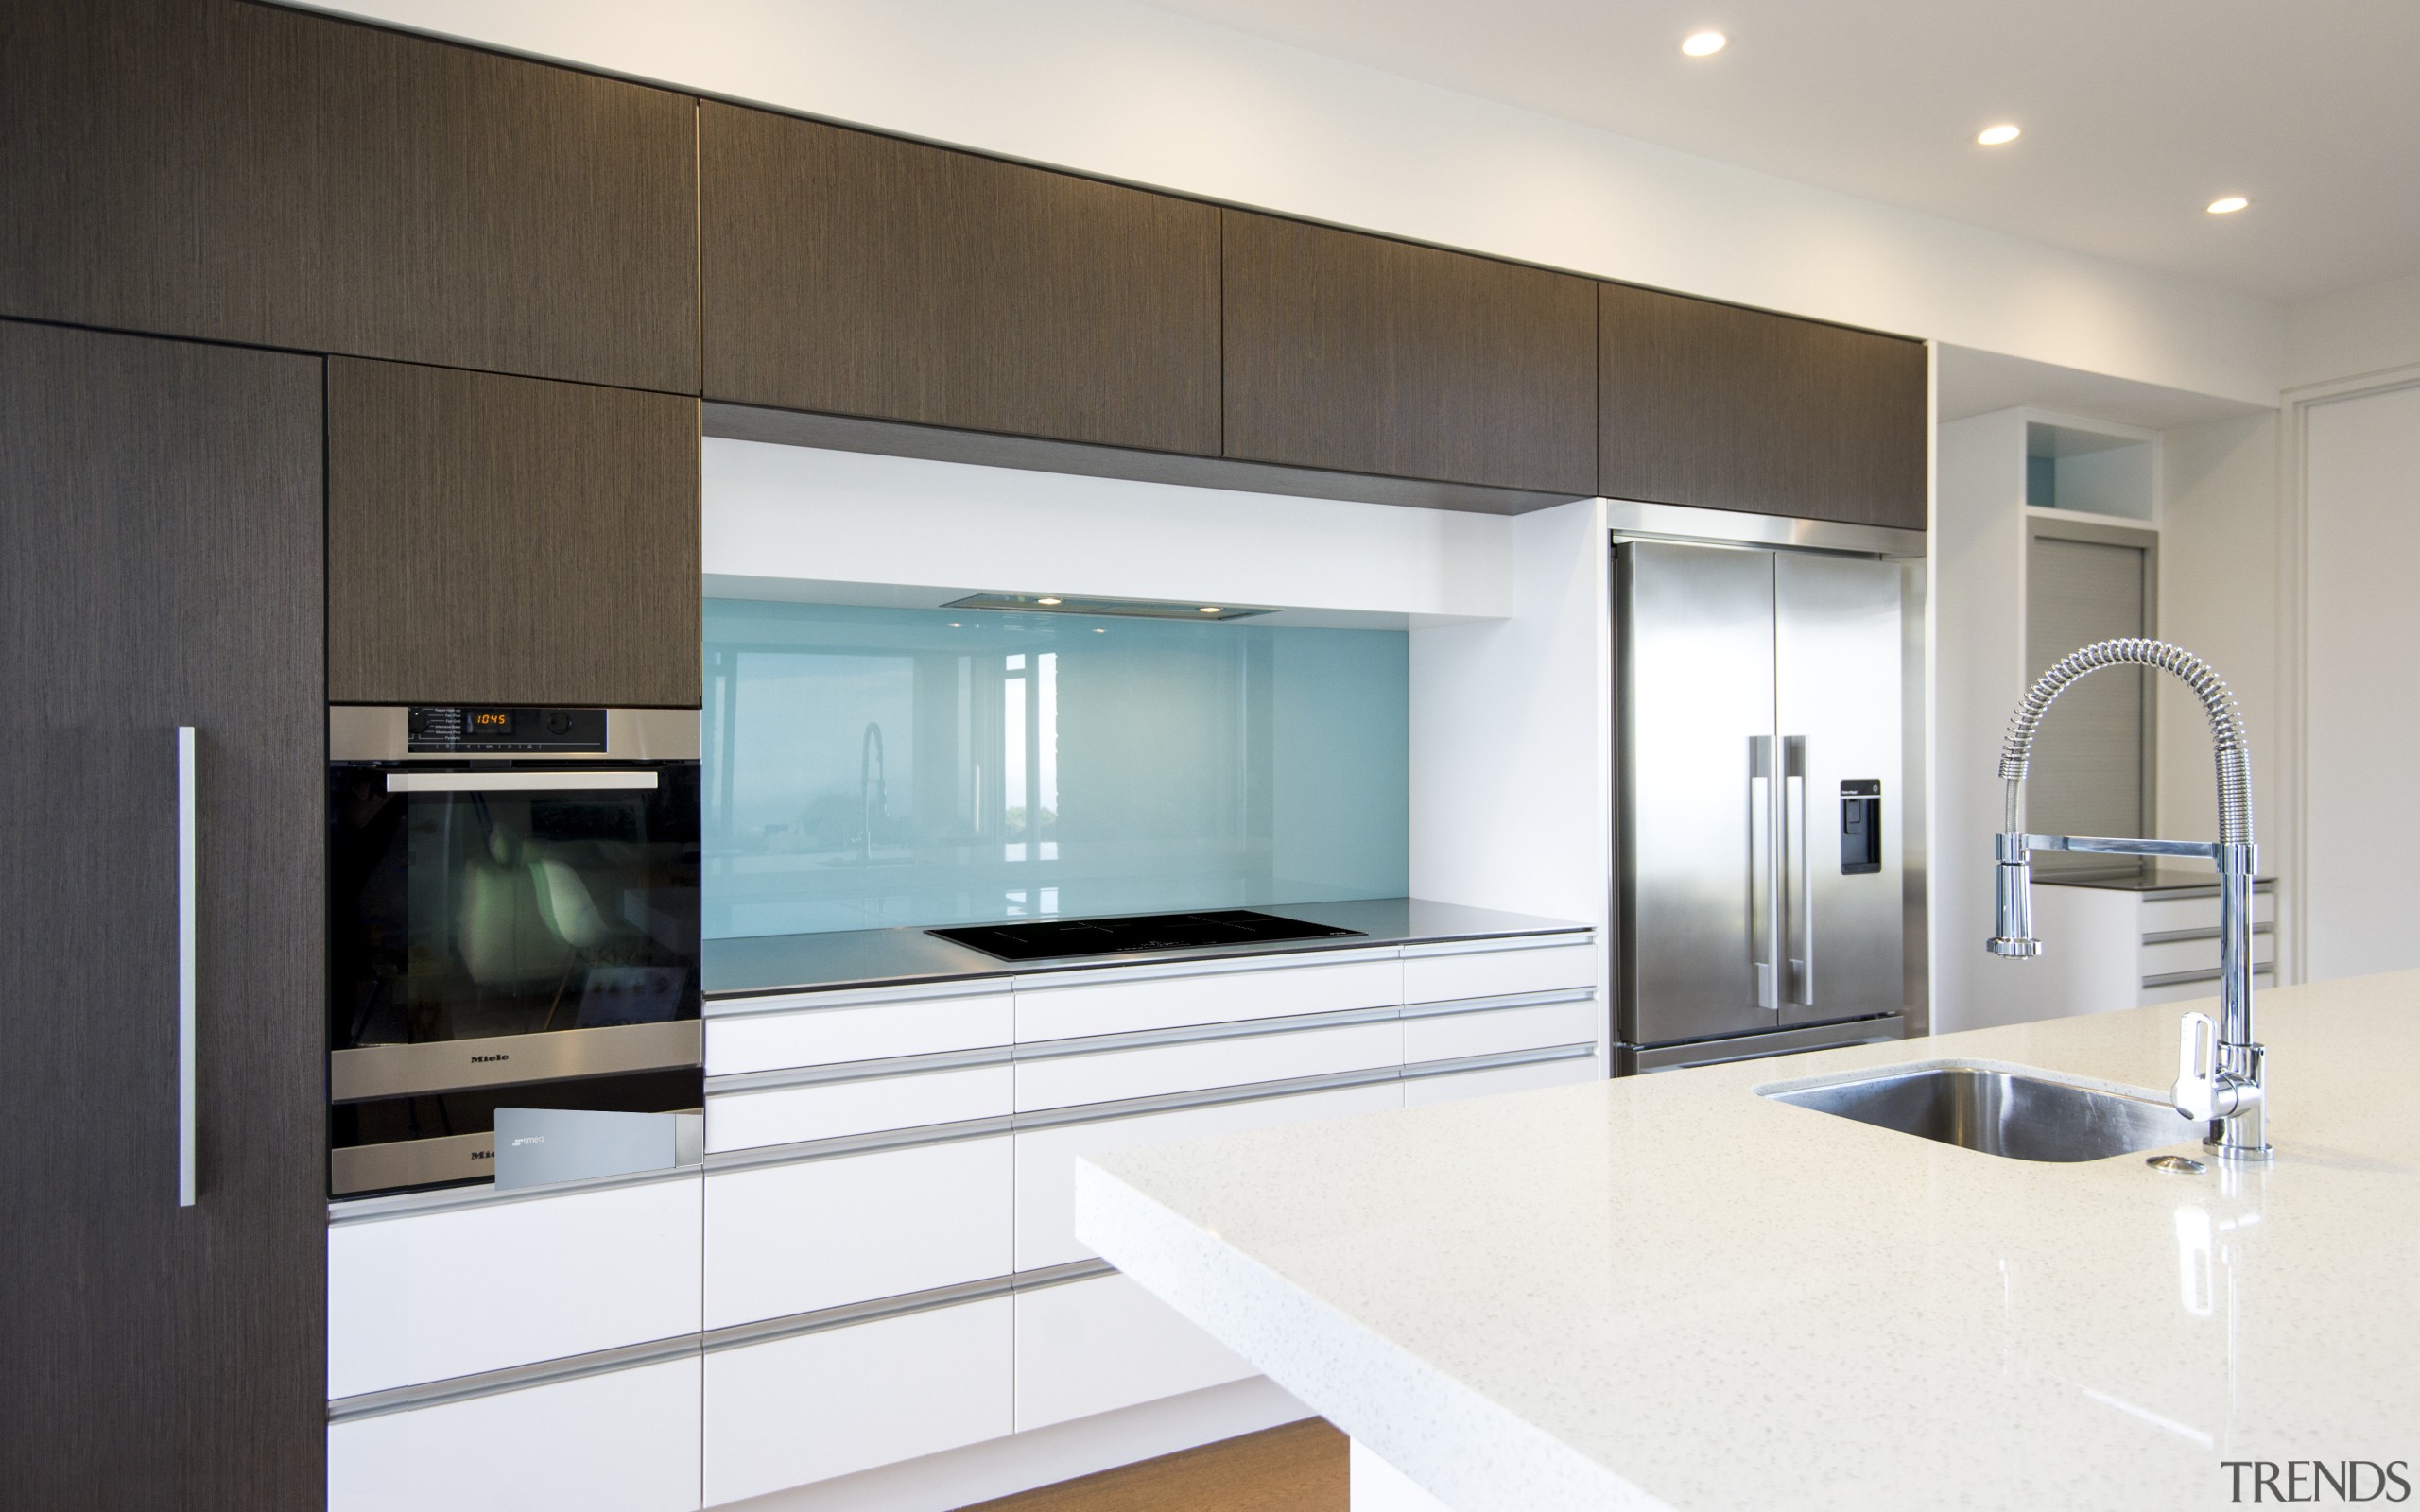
[476, 905]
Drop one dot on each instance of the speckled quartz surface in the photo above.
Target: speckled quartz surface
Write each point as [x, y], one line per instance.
[1670, 1292]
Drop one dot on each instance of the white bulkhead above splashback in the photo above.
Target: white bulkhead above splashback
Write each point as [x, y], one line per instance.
[850, 528]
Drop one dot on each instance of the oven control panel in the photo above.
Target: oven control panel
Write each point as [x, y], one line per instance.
[438, 730]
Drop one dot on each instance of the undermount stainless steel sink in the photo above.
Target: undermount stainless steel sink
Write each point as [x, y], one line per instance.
[2022, 1115]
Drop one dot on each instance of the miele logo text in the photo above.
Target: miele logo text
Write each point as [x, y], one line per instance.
[482, 1061]
[2317, 1480]
[483, 1154]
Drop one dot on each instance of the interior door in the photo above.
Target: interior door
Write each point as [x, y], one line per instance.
[161, 566]
[1837, 692]
[1698, 789]
[2088, 582]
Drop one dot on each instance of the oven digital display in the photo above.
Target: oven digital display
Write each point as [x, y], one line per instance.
[444, 729]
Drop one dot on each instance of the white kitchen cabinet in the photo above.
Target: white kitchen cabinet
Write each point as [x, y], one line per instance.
[1492, 968]
[622, 1441]
[1419, 1092]
[1122, 1000]
[1045, 1157]
[504, 1280]
[1484, 1029]
[861, 1105]
[2106, 947]
[811, 1406]
[1097, 1345]
[824, 1028]
[806, 1235]
[1152, 1070]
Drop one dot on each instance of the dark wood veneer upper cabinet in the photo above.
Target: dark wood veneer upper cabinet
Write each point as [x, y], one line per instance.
[1361, 354]
[855, 274]
[255, 174]
[1730, 408]
[497, 540]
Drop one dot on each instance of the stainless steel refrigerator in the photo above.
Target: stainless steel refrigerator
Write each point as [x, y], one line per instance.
[1758, 711]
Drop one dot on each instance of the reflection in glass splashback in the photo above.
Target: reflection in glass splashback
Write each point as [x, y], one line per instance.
[867, 768]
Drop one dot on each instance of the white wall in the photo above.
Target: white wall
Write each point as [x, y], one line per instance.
[1126, 91]
[1512, 736]
[2353, 333]
[778, 516]
[2219, 588]
[2349, 626]
[1977, 594]
[2361, 643]
[1511, 722]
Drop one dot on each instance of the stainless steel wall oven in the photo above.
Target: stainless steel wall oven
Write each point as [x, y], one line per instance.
[513, 920]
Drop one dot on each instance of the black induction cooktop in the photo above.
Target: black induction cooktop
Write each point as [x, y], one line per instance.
[1051, 937]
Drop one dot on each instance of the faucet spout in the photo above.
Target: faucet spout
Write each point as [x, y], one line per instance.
[2228, 1096]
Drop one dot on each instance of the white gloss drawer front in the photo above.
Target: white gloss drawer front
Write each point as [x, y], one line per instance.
[427, 1297]
[860, 1105]
[805, 1408]
[1095, 1345]
[1197, 1065]
[1487, 1031]
[811, 1234]
[620, 1441]
[2200, 955]
[2161, 914]
[1486, 969]
[1045, 1157]
[824, 1028]
[1070, 1005]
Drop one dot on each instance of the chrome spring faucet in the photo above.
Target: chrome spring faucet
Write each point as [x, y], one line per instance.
[2220, 1077]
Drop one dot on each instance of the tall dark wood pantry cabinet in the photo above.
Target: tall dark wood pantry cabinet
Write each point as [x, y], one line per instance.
[160, 566]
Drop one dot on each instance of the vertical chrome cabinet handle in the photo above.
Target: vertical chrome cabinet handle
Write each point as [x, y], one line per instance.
[1797, 910]
[1761, 921]
[184, 966]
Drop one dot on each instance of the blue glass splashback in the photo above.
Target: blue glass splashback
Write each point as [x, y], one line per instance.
[867, 767]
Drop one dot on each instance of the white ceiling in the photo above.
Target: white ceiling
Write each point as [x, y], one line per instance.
[2136, 113]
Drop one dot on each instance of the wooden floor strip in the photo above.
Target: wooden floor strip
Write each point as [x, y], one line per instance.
[1298, 1468]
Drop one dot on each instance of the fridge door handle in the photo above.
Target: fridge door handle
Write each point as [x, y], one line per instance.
[1797, 913]
[1763, 922]
[186, 985]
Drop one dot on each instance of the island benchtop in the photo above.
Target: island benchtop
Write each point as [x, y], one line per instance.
[1670, 1292]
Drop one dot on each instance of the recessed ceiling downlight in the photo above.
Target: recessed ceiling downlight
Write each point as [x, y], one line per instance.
[1999, 136]
[1705, 44]
[2228, 205]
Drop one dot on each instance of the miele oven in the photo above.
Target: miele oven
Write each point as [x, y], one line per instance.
[512, 924]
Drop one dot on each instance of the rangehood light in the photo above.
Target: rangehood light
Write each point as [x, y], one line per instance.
[2228, 206]
[1705, 44]
[1997, 136]
[1129, 608]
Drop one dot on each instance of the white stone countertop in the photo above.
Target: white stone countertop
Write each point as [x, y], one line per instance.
[1670, 1292]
